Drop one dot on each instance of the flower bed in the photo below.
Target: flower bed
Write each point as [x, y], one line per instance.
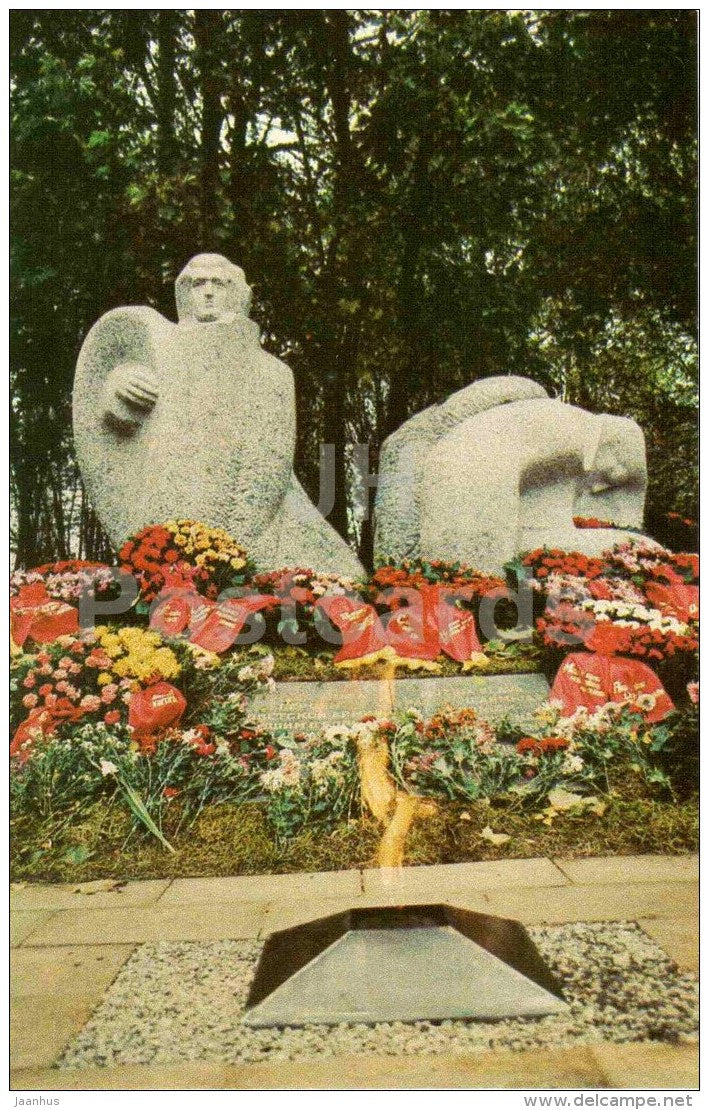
[149, 712]
[637, 601]
[593, 783]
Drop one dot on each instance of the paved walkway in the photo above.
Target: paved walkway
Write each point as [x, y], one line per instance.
[69, 943]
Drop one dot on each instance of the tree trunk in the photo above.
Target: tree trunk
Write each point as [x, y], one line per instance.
[208, 25]
[166, 91]
[342, 277]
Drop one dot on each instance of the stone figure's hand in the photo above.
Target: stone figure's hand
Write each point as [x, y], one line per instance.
[136, 385]
[131, 392]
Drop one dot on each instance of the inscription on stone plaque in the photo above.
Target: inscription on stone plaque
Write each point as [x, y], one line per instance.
[492, 697]
[308, 707]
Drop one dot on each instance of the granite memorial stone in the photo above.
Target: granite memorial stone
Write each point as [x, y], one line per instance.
[502, 468]
[196, 420]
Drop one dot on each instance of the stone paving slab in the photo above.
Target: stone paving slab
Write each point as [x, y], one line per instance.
[631, 869]
[23, 923]
[300, 886]
[647, 1067]
[442, 878]
[603, 1066]
[283, 916]
[103, 893]
[606, 902]
[678, 936]
[41, 1027]
[193, 1076]
[73, 972]
[558, 1069]
[139, 924]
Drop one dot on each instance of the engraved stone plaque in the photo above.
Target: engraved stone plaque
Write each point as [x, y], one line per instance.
[308, 707]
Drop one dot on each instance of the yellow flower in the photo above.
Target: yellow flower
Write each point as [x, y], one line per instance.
[180, 540]
[204, 660]
[112, 646]
[104, 678]
[237, 563]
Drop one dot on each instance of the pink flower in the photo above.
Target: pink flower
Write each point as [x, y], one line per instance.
[29, 681]
[109, 693]
[29, 701]
[693, 691]
[46, 668]
[65, 661]
[74, 668]
[62, 687]
[90, 703]
[60, 673]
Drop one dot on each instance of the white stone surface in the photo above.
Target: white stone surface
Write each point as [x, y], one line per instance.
[482, 487]
[196, 420]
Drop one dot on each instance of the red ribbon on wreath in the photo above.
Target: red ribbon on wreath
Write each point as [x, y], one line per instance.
[37, 616]
[457, 630]
[410, 629]
[43, 720]
[226, 620]
[154, 709]
[364, 638]
[593, 679]
[178, 609]
[676, 600]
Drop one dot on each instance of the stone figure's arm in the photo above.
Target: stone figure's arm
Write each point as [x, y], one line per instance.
[130, 393]
[485, 394]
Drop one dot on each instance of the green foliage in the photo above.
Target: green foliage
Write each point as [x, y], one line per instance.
[458, 757]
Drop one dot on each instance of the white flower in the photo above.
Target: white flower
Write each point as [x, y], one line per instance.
[266, 666]
[572, 764]
[646, 702]
[336, 732]
[108, 768]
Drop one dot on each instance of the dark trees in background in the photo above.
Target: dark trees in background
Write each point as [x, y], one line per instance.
[420, 198]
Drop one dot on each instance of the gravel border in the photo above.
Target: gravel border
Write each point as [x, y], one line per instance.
[176, 1002]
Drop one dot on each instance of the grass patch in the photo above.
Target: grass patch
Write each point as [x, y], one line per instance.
[237, 840]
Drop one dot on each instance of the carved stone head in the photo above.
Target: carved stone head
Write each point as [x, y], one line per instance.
[211, 288]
